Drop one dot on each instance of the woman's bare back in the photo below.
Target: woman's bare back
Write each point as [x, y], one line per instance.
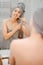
[29, 51]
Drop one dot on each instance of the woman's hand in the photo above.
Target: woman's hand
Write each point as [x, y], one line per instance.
[18, 26]
[23, 20]
[6, 34]
[26, 30]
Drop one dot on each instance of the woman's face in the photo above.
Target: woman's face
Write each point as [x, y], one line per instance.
[16, 13]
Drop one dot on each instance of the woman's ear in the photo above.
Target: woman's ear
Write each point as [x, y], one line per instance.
[30, 23]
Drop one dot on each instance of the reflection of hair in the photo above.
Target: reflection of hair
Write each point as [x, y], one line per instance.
[38, 20]
[21, 6]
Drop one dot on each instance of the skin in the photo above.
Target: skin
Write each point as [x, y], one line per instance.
[28, 51]
[13, 25]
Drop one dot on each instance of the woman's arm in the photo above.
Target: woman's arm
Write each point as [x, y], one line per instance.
[23, 20]
[26, 30]
[4, 30]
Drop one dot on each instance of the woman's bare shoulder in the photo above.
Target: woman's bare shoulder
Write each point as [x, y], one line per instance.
[5, 20]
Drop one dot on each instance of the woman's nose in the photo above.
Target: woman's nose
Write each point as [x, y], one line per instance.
[16, 13]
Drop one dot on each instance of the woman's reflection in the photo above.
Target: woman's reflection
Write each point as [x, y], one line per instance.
[11, 27]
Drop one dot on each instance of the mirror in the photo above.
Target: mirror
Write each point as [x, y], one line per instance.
[5, 11]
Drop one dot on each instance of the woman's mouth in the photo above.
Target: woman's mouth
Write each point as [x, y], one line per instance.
[15, 16]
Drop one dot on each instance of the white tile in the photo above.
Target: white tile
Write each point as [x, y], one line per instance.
[5, 62]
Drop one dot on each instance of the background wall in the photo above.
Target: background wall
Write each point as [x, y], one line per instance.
[6, 5]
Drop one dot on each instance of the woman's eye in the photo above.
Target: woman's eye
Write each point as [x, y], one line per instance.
[17, 11]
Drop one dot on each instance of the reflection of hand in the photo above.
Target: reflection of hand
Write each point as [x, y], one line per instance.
[19, 26]
[23, 20]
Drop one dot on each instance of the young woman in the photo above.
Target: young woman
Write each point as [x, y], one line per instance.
[11, 26]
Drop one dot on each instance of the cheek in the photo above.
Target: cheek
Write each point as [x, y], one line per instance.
[12, 14]
[18, 15]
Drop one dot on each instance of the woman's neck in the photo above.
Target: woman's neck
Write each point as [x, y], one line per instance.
[13, 20]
